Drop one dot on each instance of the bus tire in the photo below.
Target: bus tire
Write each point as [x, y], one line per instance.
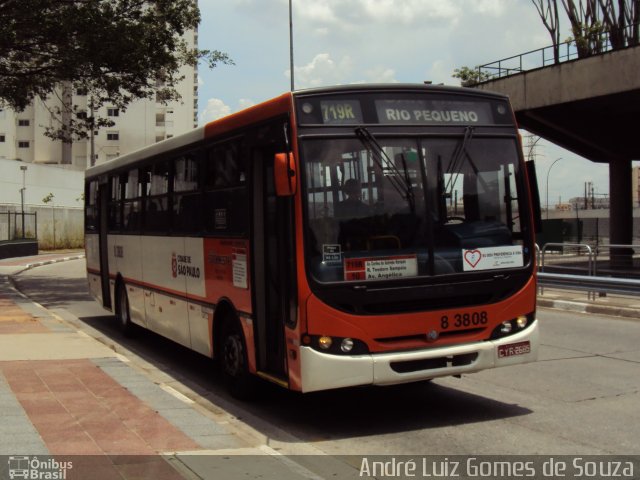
[233, 361]
[123, 312]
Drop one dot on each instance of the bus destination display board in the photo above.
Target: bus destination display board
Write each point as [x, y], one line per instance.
[390, 109]
[433, 112]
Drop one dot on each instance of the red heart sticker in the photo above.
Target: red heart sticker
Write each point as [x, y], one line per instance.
[472, 257]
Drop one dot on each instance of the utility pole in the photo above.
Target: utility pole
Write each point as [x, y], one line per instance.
[22, 194]
[92, 140]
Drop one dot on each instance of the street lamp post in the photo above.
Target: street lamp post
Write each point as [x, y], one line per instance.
[548, 172]
[291, 43]
[22, 193]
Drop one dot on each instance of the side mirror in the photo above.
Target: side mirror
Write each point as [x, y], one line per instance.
[284, 172]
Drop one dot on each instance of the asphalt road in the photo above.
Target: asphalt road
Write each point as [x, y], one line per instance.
[580, 398]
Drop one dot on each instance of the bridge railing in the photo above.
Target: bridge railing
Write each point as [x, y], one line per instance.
[543, 57]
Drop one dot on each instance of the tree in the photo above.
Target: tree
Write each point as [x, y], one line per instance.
[114, 51]
[470, 76]
[548, 11]
[586, 26]
[621, 19]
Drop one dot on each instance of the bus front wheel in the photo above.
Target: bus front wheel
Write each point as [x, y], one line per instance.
[233, 361]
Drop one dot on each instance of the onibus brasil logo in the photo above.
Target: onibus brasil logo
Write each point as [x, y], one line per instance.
[37, 469]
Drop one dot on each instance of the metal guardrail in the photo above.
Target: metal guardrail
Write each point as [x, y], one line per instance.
[589, 282]
[578, 246]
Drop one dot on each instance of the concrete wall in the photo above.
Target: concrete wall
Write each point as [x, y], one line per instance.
[67, 186]
[56, 227]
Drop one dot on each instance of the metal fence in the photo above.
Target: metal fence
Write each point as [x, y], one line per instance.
[18, 226]
[543, 57]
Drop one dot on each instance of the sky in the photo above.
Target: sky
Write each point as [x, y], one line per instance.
[378, 41]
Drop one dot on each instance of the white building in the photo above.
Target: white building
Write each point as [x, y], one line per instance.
[143, 123]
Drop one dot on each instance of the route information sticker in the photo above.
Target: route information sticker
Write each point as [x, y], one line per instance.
[331, 253]
[239, 266]
[380, 268]
[492, 258]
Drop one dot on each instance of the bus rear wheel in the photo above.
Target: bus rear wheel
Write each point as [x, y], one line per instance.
[233, 361]
[123, 312]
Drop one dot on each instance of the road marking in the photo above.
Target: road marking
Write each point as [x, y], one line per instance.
[177, 394]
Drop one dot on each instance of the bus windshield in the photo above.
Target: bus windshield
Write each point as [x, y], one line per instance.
[393, 208]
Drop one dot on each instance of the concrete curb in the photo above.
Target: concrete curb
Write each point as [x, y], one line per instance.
[29, 266]
[611, 310]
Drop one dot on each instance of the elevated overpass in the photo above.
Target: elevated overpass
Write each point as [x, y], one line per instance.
[591, 107]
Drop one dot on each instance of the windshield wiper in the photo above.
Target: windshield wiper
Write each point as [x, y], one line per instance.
[457, 159]
[455, 166]
[401, 183]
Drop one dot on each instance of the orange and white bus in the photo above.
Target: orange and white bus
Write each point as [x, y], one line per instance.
[354, 235]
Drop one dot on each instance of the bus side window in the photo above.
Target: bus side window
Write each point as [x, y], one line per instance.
[132, 202]
[91, 206]
[114, 206]
[226, 166]
[225, 189]
[157, 201]
[186, 194]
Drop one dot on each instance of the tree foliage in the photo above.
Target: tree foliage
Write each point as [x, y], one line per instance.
[115, 51]
[470, 76]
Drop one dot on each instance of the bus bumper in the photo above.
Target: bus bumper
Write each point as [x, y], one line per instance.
[321, 371]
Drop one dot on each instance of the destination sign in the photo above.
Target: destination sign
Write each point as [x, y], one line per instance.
[401, 108]
[341, 112]
[421, 112]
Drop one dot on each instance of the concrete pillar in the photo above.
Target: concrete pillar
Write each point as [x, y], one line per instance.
[621, 222]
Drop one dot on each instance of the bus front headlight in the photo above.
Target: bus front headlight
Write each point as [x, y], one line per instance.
[325, 342]
[521, 322]
[506, 327]
[346, 345]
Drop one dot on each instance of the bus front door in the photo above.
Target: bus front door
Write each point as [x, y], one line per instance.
[272, 266]
[103, 199]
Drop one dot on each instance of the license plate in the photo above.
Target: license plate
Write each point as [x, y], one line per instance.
[512, 349]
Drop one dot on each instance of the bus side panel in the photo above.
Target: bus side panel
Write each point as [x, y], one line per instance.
[228, 276]
[200, 316]
[227, 272]
[92, 254]
[166, 310]
[128, 262]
